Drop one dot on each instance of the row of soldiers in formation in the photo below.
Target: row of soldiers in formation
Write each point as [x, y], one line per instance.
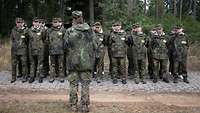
[38, 50]
[80, 50]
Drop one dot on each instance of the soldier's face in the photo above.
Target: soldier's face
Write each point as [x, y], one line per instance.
[179, 30]
[116, 28]
[19, 24]
[55, 24]
[36, 24]
[139, 29]
[78, 20]
[160, 31]
[97, 28]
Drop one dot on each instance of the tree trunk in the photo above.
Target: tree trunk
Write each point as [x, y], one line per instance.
[175, 8]
[91, 7]
[195, 9]
[145, 7]
[181, 10]
[130, 7]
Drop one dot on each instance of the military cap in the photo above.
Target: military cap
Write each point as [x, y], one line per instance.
[19, 20]
[178, 26]
[36, 19]
[97, 24]
[159, 26]
[136, 25]
[42, 20]
[77, 14]
[56, 19]
[116, 24]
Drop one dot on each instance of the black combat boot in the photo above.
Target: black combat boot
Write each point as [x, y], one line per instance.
[175, 78]
[51, 80]
[114, 81]
[40, 80]
[13, 79]
[143, 81]
[84, 109]
[137, 80]
[166, 80]
[155, 80]
[24, 79]
[185, 80]
[124, 81]
[31, 80]
[74, 108]
[62, 80]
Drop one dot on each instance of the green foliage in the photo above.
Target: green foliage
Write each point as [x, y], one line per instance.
[117, 11]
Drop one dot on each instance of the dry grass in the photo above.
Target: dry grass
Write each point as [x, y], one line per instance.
[5, 55]
[194, 57]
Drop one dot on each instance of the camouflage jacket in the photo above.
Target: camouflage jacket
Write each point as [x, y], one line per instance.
[36, 41]
[179, 45]
[80, 47]
[117, 44]
[100, 41]
[19, 39]
[159, 47]
[55, 39]
[139, 44]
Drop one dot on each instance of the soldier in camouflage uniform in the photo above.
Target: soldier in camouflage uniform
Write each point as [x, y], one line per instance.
[110, 58]
[46, 52]
[170, 49]
[36, 50]
[139, 52]
[55, 39]
[149, 54]
[117, 43]
[100, 41]
[160, 55]
[178, 45]
[19, 47]
[80, 47]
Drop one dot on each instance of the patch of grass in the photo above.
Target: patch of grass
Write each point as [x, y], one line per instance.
[194, 57]
[5, 55]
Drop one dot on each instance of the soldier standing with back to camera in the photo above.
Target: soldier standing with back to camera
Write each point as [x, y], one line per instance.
[55, 38]
[117, 43]
[19, 40]
[100, 41]
[36, 51]
[80, 47]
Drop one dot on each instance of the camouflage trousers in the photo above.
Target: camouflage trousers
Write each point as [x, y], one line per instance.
[150, 63]
[37, 66]
[19, 61]
[179, 67]
[140, 71]
[46, 66]
[131, 60]
[56, 66]
[160, 68]
[99, 68]
[74, 79]
[119, 68]
[110, 62]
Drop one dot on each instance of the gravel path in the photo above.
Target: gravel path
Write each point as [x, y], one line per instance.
[106, 85]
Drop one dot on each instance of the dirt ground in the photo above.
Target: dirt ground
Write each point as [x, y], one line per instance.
[27, 101]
